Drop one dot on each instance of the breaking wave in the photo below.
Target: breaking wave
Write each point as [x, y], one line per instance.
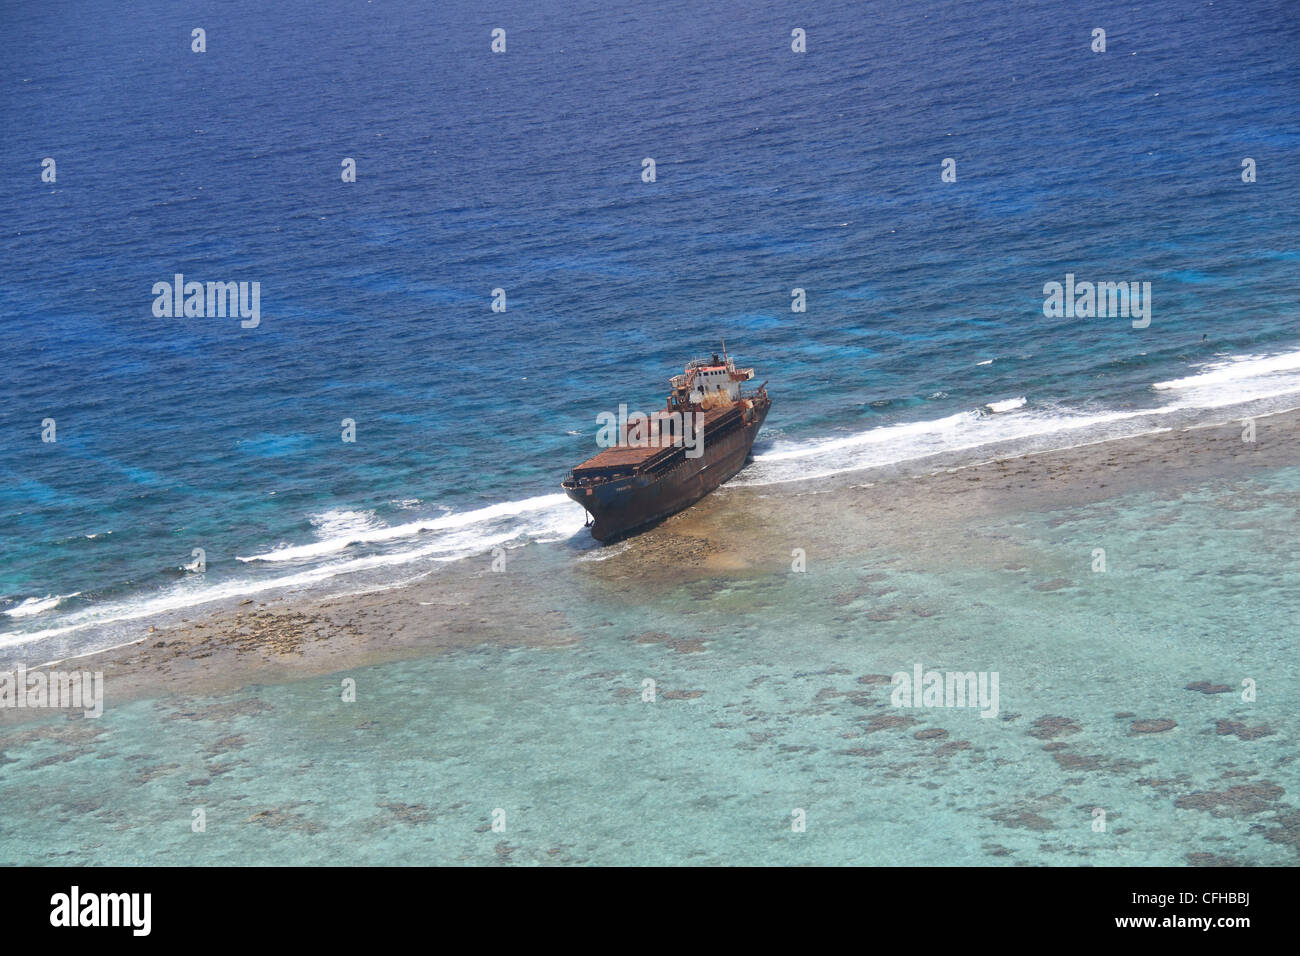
[33, 605]
[1273, 381]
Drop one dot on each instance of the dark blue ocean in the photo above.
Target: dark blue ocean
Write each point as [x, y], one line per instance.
[522, 171]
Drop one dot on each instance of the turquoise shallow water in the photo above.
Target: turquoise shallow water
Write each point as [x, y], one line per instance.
[1198, 587]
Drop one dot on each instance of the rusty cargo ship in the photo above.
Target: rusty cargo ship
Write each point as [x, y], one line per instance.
[671, 459]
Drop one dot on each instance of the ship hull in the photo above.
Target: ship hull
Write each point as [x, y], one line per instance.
[631, 503]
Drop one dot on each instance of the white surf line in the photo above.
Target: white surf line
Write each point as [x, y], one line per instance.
[140, 640]
[524, 509]
[319, 576]
[1033, 452]
[165, 604]
[104, 650]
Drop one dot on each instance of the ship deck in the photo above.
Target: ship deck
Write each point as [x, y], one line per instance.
[626, 458]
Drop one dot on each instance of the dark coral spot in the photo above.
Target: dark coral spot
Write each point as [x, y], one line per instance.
[1236, 728]
[889, 721]
[1046, 728]
[1235, 801]
[951, 747]
[1053, 585]
[857, 752]
[1205, 687]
